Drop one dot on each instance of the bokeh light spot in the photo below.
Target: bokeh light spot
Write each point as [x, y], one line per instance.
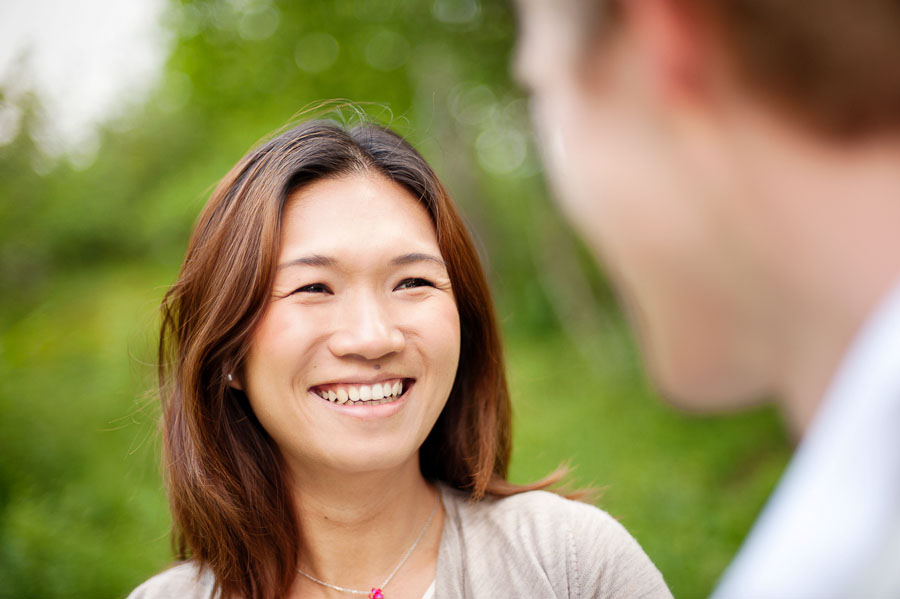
[387, 50]
[316, 52]
[260, 25]
[500, 150]
[472, 103]
[456, 12]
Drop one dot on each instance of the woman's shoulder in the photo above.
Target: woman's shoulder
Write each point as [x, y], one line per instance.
[579, 549]
[186, 580]
[534, 512]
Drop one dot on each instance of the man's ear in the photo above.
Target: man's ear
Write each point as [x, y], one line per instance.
[673, 43]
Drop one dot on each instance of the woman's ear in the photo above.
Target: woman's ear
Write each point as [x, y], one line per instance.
[233, 381]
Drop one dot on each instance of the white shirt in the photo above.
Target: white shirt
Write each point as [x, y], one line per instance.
[831, 527]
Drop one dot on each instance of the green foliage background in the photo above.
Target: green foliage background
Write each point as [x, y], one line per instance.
[86, 251]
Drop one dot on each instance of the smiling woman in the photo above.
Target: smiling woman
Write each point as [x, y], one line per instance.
[355, 357]
[335, 408]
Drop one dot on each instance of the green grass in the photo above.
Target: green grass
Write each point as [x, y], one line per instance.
[82, 511]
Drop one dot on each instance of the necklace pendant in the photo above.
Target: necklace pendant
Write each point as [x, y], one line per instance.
[376, 594]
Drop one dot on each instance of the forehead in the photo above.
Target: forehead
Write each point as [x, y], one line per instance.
[355, 216]
[549, 39]
[568, 11]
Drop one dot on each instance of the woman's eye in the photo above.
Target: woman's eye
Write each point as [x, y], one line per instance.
[314, 288]
[414, 282]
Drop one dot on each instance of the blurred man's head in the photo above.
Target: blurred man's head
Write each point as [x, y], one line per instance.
[674, 129]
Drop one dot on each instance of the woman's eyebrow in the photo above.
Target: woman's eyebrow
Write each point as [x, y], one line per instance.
[319, 260]
[314, 260]
[416, 257]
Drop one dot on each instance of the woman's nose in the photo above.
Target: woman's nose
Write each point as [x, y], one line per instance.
[366, 329]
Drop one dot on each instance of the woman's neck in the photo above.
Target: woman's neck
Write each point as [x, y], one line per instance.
[355, 529]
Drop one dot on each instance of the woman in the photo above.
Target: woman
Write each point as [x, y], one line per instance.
[336, 417]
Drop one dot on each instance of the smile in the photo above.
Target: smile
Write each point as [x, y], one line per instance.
[373, 394]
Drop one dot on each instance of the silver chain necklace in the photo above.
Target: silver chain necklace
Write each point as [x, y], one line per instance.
[378, 592]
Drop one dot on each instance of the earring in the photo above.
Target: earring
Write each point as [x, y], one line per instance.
[230, 378]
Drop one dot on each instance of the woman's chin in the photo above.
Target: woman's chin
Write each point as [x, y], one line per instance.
[372, 460]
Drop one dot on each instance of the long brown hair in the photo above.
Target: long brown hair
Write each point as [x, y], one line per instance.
[230, 501]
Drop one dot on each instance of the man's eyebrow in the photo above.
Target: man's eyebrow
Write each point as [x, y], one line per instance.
[417, 257]
[314, 260]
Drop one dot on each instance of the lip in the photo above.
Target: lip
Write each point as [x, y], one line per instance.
[363, 411]
[381, 378]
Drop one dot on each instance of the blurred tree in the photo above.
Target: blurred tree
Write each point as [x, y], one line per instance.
[239, 69]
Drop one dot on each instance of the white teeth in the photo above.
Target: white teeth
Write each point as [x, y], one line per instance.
[377, 393]
[365, 393]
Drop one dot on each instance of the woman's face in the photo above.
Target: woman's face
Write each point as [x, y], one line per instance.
[355, 357]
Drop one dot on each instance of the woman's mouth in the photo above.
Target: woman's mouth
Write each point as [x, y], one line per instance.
[356, 394]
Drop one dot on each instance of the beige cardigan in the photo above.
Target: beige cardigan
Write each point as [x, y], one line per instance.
[534, 544]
